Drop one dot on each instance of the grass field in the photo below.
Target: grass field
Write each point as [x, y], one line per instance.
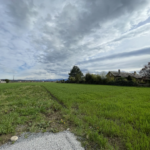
[27, 107]
[108, 117]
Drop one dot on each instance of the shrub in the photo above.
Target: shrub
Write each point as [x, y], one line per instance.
[99, 79]
[105, 81]
[122, 79]
[77, 78]
[82, 80]
[124, 83]
[129, 78]
[93, 78]
[72, 79]
[88, 78]
[7, 80]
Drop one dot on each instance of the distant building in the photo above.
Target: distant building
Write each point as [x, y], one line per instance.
[2, 81]
[115, 75]
[146, 80]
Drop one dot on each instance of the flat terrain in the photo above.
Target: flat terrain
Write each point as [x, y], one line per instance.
[106, 117]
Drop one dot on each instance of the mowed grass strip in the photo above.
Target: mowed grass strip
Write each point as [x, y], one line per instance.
[27, 107]
[111, 116]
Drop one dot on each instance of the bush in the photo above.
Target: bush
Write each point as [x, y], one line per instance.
[123, 83]
[7, 80]
[123, 79]
[82, 80]
[93, 78]
[88, 78]
[72, 79]
[129, 78]
[99, 79]
[105, 81]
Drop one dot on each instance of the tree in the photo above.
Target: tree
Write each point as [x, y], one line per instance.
[103, 74]
[145, 71]
[75, 72]
[7, 80]
[71, 79]
[129, 78]
[93, 78]
[78, 78]
[88, 78]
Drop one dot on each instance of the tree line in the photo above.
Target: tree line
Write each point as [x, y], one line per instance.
[76, 76]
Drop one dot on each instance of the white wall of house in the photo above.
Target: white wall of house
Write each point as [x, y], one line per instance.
[2, 81]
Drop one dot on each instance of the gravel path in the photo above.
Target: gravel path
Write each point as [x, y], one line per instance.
[45, 141]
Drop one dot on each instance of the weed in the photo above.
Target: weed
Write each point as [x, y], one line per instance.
[13, 142]
[26, 136]
[54, 130]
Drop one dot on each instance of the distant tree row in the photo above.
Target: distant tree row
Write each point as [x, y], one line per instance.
[76, 76]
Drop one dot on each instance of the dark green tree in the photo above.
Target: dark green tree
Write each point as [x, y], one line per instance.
[129, 78]
[7, 80]
[93, 78]
[78, 78]
[75, 73]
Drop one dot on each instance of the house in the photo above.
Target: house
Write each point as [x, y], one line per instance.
[2, 81]
[146, 80]
[115, 75]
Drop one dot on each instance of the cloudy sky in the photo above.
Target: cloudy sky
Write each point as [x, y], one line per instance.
[45, 39]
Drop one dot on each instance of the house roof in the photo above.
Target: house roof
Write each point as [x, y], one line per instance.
[124, 74]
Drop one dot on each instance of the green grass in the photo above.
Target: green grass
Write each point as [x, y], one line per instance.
[109, 117]
[25, 107]
[19, 106]
[117, 115]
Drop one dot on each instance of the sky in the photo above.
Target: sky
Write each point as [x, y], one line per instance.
[45, 39]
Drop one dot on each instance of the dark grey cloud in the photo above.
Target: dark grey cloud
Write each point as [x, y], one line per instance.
[95, 14]
[99, 11]
[140, 52]
[125, 65]
[21, 12]
[72, 25]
